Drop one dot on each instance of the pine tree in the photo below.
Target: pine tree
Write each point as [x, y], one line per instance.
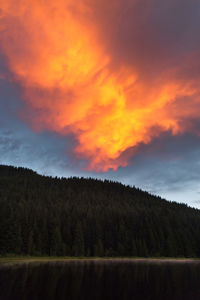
[78, 244]
[98, 249]
[30, 245]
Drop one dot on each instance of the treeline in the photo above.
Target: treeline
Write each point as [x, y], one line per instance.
[86, 217]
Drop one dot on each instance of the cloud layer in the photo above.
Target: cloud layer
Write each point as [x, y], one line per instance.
[113, 74]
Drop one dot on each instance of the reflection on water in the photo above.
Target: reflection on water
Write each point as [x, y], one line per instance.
[105, 280]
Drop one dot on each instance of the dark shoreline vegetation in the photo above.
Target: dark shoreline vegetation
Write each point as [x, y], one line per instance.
[77, 217]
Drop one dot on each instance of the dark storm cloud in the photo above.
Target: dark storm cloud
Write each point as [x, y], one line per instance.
[153, 35]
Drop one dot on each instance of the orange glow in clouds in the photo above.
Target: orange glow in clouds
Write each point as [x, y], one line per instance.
[59, 58]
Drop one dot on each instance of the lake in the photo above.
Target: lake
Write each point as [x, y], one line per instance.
[123, 279]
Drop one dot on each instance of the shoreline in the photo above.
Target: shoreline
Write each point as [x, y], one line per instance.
[4, 261]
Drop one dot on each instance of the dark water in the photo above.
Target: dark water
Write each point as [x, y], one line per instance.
[103, 280]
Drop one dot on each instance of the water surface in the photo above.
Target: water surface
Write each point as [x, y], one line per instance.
[101, 280]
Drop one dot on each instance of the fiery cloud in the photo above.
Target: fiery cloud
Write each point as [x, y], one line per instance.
[77, 79]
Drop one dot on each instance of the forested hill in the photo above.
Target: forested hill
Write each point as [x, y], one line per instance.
[86, 217]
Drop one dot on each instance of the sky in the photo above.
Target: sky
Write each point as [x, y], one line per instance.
[104, 89]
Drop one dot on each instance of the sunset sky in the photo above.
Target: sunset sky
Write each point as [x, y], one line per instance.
[106, 89]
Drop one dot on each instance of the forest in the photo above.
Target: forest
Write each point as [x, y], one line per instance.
[45, 216]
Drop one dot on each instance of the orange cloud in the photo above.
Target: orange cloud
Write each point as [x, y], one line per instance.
[60, 58]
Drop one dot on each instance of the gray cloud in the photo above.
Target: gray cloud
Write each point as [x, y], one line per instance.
[20, 146]
[152, 35]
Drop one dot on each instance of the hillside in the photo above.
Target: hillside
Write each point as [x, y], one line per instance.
[86, 217]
